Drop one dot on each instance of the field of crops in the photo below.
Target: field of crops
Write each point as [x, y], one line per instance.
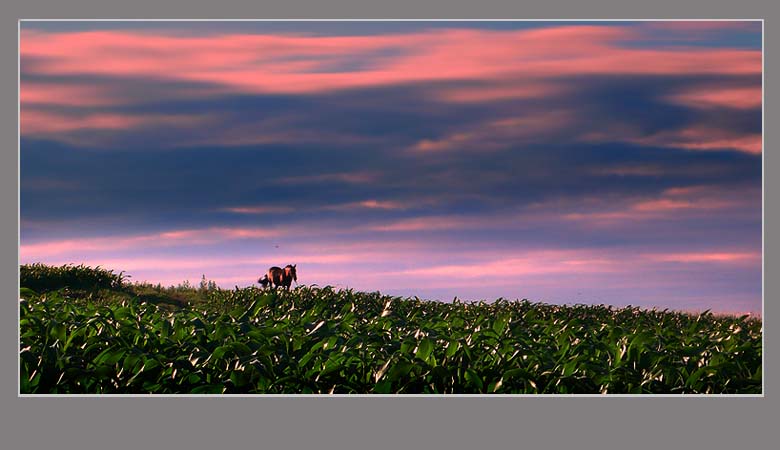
[114, 337]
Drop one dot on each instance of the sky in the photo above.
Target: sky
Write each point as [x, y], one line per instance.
[613, 163]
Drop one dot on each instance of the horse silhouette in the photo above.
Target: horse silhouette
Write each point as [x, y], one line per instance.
[264, 281]
[281, 277]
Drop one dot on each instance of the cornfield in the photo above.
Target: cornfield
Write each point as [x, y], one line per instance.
[323, 340]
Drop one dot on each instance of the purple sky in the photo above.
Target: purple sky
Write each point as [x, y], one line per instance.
[564, 162]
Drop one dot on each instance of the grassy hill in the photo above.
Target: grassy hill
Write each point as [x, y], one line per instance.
[87, 330]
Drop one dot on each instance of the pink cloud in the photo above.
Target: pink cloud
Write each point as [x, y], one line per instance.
[39, 122]
[246, 233]
[287, 63]
[677, 204]
[697, 137]
[664, 204]
[499, 133]
[452, 141]
[708, 257]
[258, 209]
[705, 138]
[588, 212]
[36, 93]
[671, 204]
[507, 219]
[363, 177]
[254, 62]
[368, 204]
[532, 263]
[429, 223]
[299, 249]
[88, 94]
[81, 246]
[36, 122]
[711, 96]
[507, 64]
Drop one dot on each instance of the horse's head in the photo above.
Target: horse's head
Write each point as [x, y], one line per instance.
[290, 270]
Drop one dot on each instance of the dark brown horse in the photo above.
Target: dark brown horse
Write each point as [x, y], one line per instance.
[282, 277]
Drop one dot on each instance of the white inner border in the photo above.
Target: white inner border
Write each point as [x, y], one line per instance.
[19, 205]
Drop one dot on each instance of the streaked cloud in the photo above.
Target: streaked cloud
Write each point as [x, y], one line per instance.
[40, 123]
[721, 258]
[298, 63]
[612, 162]
[258, 209]
[713, 96]
[697, 137]
[672, 204]
[45, 249]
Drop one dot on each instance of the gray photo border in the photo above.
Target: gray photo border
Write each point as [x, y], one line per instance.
[369, 422]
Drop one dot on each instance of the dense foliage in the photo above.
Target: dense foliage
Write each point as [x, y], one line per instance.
[40, 277]
[321, 340]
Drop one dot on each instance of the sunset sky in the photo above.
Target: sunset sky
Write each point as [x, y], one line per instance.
[565, 162]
